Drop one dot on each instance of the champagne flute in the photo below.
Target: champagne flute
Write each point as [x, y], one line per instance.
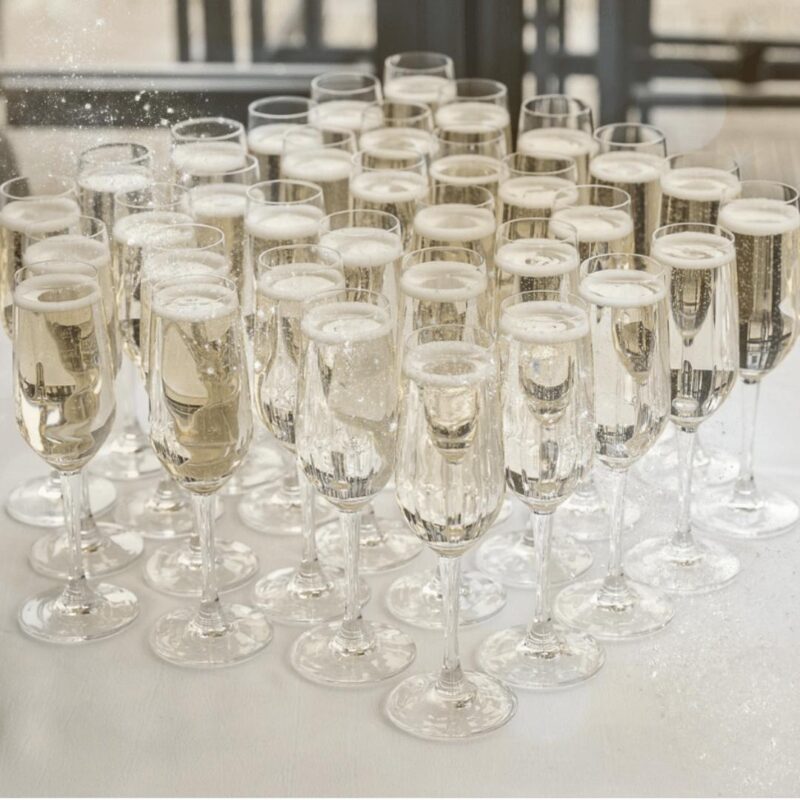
[207, 144]
[766, 225]
[557, 125]
[443, 286]
[27, 206]
[693, 188]
[389, 127]
[394, 183]
[704, 358]
[268, 119]
[370, 245]
[450, 488]
[546, 262]
[341, 99]
[200, 425]
[323, 157]
[548, 441]
[418, 77]
[107, 548]
[628, 321]
[471, 105]
[64, 400]
[529, 184]
[287, 277]
[345, 433]
[632, 157]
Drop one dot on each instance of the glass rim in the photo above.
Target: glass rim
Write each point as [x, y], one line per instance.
[217, 242]
[344, 136]
[331, 296]
[501, 91]
[252, 108]
[413, 257]
[430, 198]
[503, 226]
[409, 342]
[57, 266]
[576, 189]
[370, 81]
[336, 259]
[71, 188]
[518, 298]
[250, 165]
[734, 166]
[101, 232]
[155, 288]
[571, 164]
[315, 192]
[446, 61]
[583, 108]
[751, 183]
[415, 159]
[353, 212]
[693, 227]
[236, 129]
[424, 111]
[498, 137]
[177, 192]
[85, 159]
[659, 138]
[652, 265]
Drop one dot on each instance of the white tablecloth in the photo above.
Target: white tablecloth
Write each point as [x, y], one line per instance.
[709, 706]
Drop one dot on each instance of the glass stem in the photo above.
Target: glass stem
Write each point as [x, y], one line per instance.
[745, 488]
[614, 584]
[451, 680]
[90, 535]
[682, 538]
[310, 571]
[209, 617]
[77, 596]
[371, 534]
[353, 637]
[540, 639]
[290, 484]
[126, 395]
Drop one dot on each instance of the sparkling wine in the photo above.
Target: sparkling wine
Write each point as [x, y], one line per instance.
[475, 116]
[695, 194]
[207, 158]
[266, 143]
[396, 143]
[529, 195]
[571, 142]
[277, 225]
[327, 167]
[427, 89]
[600, 229]
[457, 224]
[536, 265]
[97, 187]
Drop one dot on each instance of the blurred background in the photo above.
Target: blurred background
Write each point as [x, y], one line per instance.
[721, 73]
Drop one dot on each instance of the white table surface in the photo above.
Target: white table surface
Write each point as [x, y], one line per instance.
[709, 706]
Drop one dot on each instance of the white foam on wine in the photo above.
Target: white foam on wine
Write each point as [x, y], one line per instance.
[121, 179]
[419, 89]
[299, 281]
[556, 141]
[208, 158]
[537, 258]
[544, 322]
[39, 215]
[622, 288]
[532, 191]
[622, 166]
[472, 116]
[388, 186]
[283, 222]
[267, 140]
[172, 264]
[365, 248]
[340, 323]
[218, 201]
[693, 250]
[596, 223]
[396, 142]
[447, 364]
[28, 293]
[347, 115]
[136, 230]
[317, 164]
[757, 216]
[68, 247]
[701, 184]
[454, 222]
[194, 303]
[443, 281]
[466, 169]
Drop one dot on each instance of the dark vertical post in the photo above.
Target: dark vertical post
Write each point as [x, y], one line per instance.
[312, 24]
[182, 27]
[219, 30]
[258, 38]
[613, 60]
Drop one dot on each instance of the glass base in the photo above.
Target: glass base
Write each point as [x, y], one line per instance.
[176, 570]
[263, 465]
[49, 616]
[636, 611]
[38, 501]
[701, 567]
[586, 519]
[392, 546]
[567, 658]
[272, 510]
[288, 597]
[178, 639]
[417, 706]
[416, 599]
[659, 468]
[110, 548]
[508, 558]
[319, 656]
[127, 456]
[739, 516]
[159, 517]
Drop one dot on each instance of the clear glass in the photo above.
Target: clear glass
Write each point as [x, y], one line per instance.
[392, 127]
[556, 124]
[197, 351]
[212, 144]
[547, 391]
[287, 277]
[321, 157]
[418, 76]
[632, 157]
[450, 488]
[529, 184]
[765, 222]
[628, 319]
[268, 119]
[65, 422]
[704, 361]
[342, 98]
[345, 436]
[474, 105]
